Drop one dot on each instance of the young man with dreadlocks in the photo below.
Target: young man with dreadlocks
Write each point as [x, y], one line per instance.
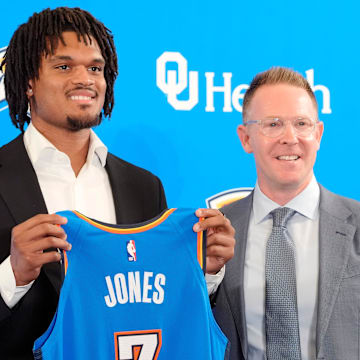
[62, 63]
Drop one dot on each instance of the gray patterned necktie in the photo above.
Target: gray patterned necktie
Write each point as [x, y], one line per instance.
[281, 315]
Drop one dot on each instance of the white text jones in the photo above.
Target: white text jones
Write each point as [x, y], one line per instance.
[135, 287]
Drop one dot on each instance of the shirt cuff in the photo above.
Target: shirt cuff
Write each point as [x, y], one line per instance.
[11, 293]
[213, 281]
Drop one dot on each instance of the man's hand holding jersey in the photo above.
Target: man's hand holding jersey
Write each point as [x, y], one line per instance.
[28, 242]
[220, 238]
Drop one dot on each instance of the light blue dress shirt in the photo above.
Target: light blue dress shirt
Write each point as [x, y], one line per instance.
[303, 227]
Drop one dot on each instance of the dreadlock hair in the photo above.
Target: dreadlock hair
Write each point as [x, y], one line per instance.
[40, 36]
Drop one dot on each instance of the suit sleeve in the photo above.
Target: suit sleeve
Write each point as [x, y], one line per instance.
[6, 224]
[22, 324]
[162, 198]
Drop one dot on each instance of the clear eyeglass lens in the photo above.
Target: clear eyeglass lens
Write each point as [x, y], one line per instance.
[275, 127]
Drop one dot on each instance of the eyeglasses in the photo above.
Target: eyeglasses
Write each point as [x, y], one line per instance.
[275, 126]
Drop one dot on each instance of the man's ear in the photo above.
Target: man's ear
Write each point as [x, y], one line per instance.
[29, 91]
[243, 134]
[319, 130]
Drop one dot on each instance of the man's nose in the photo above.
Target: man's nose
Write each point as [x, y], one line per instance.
[289, 135]
[82, 76]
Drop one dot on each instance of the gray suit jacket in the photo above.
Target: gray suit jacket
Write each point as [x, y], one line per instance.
[338, 313]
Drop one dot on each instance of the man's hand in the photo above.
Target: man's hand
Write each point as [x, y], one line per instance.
[28, 242]
[220, 238]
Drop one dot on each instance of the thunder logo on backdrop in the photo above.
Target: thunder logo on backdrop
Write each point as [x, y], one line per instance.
[3, 104]
[223, 198]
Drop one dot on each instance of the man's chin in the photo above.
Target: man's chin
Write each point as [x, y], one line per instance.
[294, 182]
[84, 122]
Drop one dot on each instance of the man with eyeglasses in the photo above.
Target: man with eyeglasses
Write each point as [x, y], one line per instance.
[292, 289]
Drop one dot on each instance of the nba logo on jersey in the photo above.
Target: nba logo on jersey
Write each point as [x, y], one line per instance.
[131, 250]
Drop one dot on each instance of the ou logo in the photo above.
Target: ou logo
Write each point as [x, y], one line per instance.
[172, 82]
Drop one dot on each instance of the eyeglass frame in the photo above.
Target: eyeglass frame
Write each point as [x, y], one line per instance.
[285, 120]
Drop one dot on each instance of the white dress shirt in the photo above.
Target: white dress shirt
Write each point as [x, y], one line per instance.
[62, 190]
[303, 227]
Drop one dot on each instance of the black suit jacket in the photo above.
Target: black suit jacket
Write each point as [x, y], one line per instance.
[138, 196]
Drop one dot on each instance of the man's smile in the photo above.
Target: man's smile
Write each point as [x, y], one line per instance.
[82, 96]
[288, 157]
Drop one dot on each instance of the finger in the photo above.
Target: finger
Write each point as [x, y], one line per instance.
[36, 220]
[46, 257]
[218, 251]
[218, 222]
[46, 229]
[220, 239]
[50, 242]
[34, 261]
[38, 232]
[207, 212]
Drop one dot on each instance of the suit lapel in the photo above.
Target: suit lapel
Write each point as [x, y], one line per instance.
[335, 237]
[19, 186]
[239, 215]
[117, 182]
[20, 190]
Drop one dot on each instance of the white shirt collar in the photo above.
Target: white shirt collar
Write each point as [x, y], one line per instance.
[37, 146]
[305, 203]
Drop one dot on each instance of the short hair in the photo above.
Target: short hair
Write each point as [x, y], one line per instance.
[276, 75]
[39, 36]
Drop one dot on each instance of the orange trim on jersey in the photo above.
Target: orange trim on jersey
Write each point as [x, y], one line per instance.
[66, 263]
[134, 230]
[200, 240]
[136, 348]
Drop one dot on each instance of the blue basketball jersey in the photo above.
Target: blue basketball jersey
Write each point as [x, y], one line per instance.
[133, 293]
